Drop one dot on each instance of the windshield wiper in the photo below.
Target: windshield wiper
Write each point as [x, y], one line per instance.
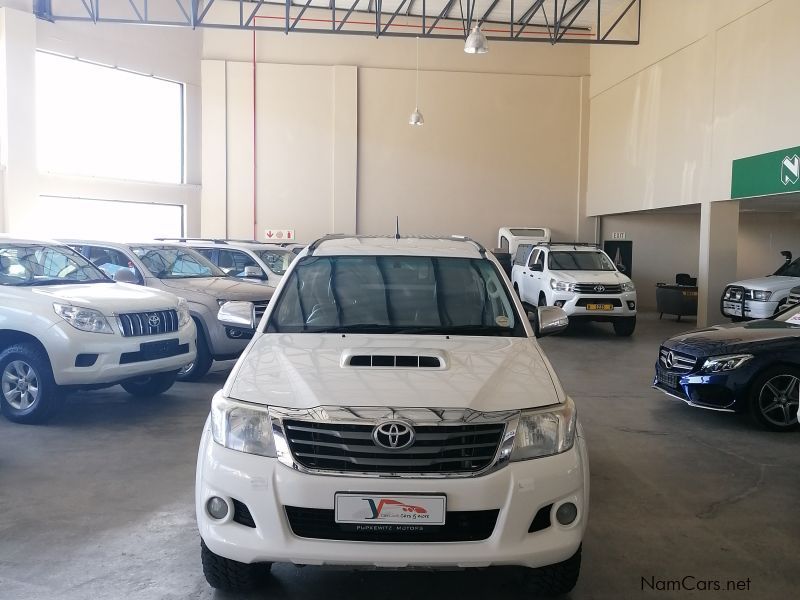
[354, 328]
[458, 330]
[51, 282]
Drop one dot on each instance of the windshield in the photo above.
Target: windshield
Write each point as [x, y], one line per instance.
[395, 294]
[527, 232]
[277, 260]
[579, 261]
[35, 264]
[168, 262]
[790, 270]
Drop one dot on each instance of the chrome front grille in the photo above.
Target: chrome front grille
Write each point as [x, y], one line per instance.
[148, 323]
[598, 288]
[678, 362]
[340, 447]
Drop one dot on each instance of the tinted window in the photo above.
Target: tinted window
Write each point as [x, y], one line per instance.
[277, 260]
[527, 232]
[395, 294]
[580, 261]
[233, 262]
[521, 257]
[110, 261]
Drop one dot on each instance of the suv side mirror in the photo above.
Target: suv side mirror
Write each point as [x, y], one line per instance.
[551, 319]
[254, 272]
[241, 315]
[537, 267]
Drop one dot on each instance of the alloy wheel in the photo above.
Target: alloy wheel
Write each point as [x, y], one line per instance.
[20, 385]
[778, 400]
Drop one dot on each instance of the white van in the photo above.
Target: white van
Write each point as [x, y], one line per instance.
[509, 238]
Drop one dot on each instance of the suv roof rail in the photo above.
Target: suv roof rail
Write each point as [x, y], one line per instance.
[222, 241]
[341, 236]
[573, 244]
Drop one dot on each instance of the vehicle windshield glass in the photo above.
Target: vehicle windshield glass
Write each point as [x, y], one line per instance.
[168, 262]
[790, 270]
[395, 294]
[277, 260]
[36, 264]
[527, 232]
[561, 260]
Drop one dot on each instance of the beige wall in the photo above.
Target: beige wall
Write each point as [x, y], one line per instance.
[335, 151]
[711, 81]
[762, 236]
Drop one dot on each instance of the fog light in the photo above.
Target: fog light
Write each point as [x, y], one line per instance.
[560, 303]
[566, 513]
[217, 507]
[234, 333]
[631, 305]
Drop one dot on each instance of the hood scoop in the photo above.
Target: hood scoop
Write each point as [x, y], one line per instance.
[386, 358]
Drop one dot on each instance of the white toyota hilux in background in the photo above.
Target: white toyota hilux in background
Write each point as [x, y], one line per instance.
[762, 297]
[64, 325]
[580, 278]
[393, 410]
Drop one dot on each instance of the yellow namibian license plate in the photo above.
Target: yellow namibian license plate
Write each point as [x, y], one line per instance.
[599, 307]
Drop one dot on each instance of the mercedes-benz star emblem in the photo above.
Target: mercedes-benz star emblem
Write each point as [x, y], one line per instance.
[670, 360]
[393, 435]
[154, 320]
[599, 288]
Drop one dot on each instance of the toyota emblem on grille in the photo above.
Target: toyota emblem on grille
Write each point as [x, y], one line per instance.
[154, 320]
[599, 288]
[393, 435]
[670, 360]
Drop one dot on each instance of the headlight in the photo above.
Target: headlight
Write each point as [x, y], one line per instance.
[242, 427]
[561, 286]
[183, 313]
[717, 364]
[628, 286]
[545, 432]
[85, 319]
[221, 302]
[760, 295]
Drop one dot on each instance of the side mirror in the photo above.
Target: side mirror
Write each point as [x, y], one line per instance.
[125, 275]
[551, 319]
[241, 315]
[537, 267]
[254, 272]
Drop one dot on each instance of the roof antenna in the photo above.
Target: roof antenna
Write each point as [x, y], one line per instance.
[397, 228]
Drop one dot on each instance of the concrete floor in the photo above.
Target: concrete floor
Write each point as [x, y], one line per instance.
[98, 504]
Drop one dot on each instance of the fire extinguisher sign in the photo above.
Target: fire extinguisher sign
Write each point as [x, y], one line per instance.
[279, 235]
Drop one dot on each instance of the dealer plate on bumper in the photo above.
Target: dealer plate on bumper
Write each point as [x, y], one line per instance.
[599, 307]
[390, 509]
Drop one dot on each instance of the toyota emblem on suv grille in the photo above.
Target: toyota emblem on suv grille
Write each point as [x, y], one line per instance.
[393, 435]
[154, 320]
[599, 288]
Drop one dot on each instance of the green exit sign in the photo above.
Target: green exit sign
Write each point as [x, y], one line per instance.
[766, 174]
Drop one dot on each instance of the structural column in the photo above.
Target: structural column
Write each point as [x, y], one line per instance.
[18, 170]
[719, 231]
[345, 148]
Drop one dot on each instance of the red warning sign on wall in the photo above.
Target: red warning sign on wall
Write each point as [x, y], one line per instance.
[279, 235]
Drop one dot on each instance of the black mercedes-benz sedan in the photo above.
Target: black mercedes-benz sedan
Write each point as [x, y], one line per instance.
[753, 367]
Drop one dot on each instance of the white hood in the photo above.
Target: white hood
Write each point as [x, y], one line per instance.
[109, 298]
[228, 288]
[604, 277]
[771, 283]
[482, 373]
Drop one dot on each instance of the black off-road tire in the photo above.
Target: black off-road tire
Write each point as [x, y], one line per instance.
[202, 362]
[230, 575]
[554, 580]
[49, 395]
[150, 385]
[624, 326]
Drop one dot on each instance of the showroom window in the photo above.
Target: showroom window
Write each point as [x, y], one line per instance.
[89, 219]
[100, 121]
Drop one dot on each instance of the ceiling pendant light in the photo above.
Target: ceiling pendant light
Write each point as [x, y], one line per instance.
[416, 116]
[476, 42]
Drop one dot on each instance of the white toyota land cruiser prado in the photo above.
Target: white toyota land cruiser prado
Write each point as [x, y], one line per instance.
[393, 410]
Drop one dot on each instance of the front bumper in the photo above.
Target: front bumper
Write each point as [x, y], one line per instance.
[575, 305]
[65, 343]
[719, 392]
[752, 309]
[518, 490]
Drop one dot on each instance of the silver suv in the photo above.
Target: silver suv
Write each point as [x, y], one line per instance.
[182, 271]
[258, 261]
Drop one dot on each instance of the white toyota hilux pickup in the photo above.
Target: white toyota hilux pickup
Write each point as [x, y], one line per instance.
[64, 325]
[393, 410]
